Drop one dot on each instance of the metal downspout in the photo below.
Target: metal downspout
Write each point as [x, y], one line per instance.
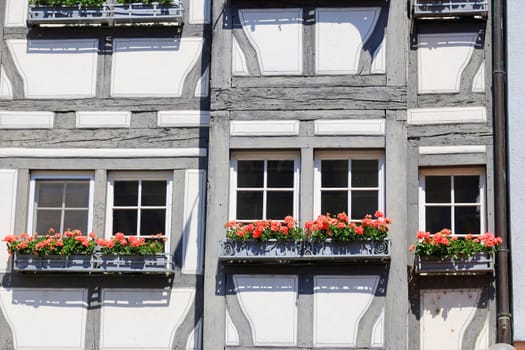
[504, 324]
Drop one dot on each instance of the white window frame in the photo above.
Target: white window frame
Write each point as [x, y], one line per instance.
[349, 155]
[139, 176]
[59, 176]
[453, 172]
[263, 155]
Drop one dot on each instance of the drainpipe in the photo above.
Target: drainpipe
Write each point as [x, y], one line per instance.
[504, 324]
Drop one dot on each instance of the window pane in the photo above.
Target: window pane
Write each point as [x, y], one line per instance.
[279, 205]
[467, 220]
[280, 173]
[154, 193]
[125, 193]
[334, 173]
[152, 221]
[50, 194]
[250, 173]
[76, 219]
[249, 205]
[365, 173]
[334, 202]
[363, 203]
[437, 189]
[46, 219]
[437, 218]
[77, 195]
[125, 221]
[466, 189]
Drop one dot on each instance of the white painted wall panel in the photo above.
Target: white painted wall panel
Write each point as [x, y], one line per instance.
[378, 331]
[350, 127]
[264, 127]
[447, 115]
[183, 119]
[340, 34]
[478, 84]
[269, 304]
[232, 335]
[26, 120]
[56, 68]
[193, 238]
[6, 88]
[482, 343]
[199, 11]
[239, 65]
[339, 304]
[194, 339]
[277, 37]
[45, 319]
[16, 13]
[379, 59]
[452, 149]
[143, 318]
[441, 60]
[516, 156]
[152, 66]
[106, 119]
[203, 85]
[445, 315]
[8, 182]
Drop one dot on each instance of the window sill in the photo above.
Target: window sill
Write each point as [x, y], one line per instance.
[95, 263]
[477, 264]
[359, 251]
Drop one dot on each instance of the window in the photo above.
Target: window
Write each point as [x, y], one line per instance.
[264, 187]
[452, 198]
[350, 182]
[139, 203]
[60, 202]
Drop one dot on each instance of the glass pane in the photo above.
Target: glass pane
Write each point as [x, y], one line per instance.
[365, 173]
[279, 205]
[334, 173]
[249, 205]
[46, 219]
[126, 193]
[437, 189]
[125, 221]
[152, 221]
[280, 173]
[363, 203]
[154, 193]
[334, 202]
[77, 195]
[76, 219]
[467, 220]
[437, 218]
[250, 173]
[466, 189]
[49, 194]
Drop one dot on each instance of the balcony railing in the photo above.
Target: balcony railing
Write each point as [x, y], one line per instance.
[450, 8]
[108, 14]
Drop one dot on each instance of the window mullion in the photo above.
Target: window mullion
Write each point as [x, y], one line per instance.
[349, 189]
[139, 206]
[63, 208]
[452, 205]
[265, 188]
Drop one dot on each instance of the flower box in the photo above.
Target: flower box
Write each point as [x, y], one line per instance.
[95, 263]
[348, 250]
[253, 250]
[478, 263]
[107, 14]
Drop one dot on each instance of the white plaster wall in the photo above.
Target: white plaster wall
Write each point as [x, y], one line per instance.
[56, 68]
[340, 34]
[103, 119]
[379, 59]
[277, 37]
[6, 88]
[194, 200]
[478, 84]
[269, 304]
[264, 128]
[199, 11]
[26, 120]
[339, 304]
[447, 115]
[441, 60]
[152, 66]
[16, 13]
[203, 85]
[239, 65]
[445, 316]
[232, 335]
[45, 319]
[181, 118]
[516, 139]
[143, 318]
[8, 181]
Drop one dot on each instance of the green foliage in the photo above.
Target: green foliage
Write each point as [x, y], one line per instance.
[163, 2]
[84, 3]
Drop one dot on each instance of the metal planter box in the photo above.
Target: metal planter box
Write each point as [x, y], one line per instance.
[230, 250]
[448, 8]
[478, 263]
[96, 263]
[357, 250]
